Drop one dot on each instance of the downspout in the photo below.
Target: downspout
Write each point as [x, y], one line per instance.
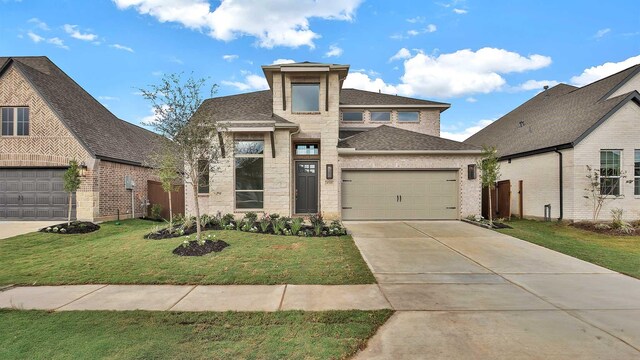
[560, 182]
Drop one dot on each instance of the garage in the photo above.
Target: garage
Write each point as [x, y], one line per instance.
[33, 194]
[400, 195]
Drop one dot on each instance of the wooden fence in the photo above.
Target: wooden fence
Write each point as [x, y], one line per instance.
[157, 195]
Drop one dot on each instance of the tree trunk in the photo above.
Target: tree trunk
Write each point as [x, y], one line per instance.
[170, 212]
[490, 209]
[70, 206]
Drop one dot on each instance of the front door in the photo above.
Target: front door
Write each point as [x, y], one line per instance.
[306, 187]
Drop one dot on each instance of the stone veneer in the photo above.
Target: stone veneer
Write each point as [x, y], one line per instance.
[429, 121]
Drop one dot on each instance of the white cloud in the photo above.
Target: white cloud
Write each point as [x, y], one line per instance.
[73, 31]
[601, 71]
[229, 58]
[121, 47]
[334, 51]
[39, 23]
[464, 72]
[35, 37]
[471, 99]
[466, 133]
[417, 19]
[108, 98]
[57, 42]
[413, 32]
[431, 28]
[602, 32]
[152, 118]
[536, 84]
[176, 60]
[251, 82]
[279, 23]
[360, 80]
[403, 53]
[460, 11]
[283, 61]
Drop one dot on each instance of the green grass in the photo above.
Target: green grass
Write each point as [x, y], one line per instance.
[171, 335]
[119, 255]
[618, 253]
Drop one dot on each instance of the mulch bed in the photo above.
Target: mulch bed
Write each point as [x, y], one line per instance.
[589, 226]
[195, 249]
[166, 234]
[76, 227]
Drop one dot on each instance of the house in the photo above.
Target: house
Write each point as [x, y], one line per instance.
[546, 144]
[308, 146]
[48, 120]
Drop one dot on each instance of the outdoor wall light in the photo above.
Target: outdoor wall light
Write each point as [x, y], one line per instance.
[471, 171]
[83, 169]
[329, 171]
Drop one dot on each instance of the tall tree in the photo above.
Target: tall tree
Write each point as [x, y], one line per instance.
[489, 173]
[194, 138]
[71, 184]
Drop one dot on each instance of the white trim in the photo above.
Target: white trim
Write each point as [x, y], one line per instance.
[352, 151]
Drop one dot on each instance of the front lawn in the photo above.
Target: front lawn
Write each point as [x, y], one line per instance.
[171, 335]
[119, 255]
[618, 253]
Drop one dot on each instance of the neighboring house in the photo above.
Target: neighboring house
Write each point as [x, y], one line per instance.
[308, 146]
[546, 144]
[48, 120]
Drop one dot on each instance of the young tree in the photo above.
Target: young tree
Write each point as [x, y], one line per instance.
[600, 190]
[194, 136]
[489, 173]
[71, 184]
[168, 171]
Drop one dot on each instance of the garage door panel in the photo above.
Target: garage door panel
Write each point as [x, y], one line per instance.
[399, 195]
[33, 194]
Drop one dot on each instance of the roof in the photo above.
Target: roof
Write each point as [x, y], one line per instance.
[387, 138]
[102, 133]
[558, 117]
[362, 97]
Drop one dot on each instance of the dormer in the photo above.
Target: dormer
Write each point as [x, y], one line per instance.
[307, 88]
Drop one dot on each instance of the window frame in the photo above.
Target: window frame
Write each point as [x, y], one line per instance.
[203, 188]
[16, 124]
[371, 112]
[605, 177]
[408, 112]
[361, 112]
[636, 172]
[244, 156]
[293, 97]
[315, 146]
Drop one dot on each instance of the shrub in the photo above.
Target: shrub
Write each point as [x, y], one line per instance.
[296, 225]
[602, 226]
[264, 223]
[336, 228]
[178, 219]
[619, 224]
[274, 216]
[205, 220]
[279, 225]
[317, 223]
[156, 209]
[251, 218]
[227, 219]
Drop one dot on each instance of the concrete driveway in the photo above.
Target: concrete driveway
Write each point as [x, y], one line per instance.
[464, 292]
[14, 228]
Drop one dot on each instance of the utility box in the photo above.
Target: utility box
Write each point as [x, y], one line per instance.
[128, 182]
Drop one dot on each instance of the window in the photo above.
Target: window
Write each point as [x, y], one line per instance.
[352, 116]
[249, 169]
[636, 173]
[409, 116]
[203, 177]
[610, 172]
[307, 149]
[305, 97]
[15, 121]
[381, 116]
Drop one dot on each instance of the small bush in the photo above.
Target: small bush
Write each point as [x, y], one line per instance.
[336, 228]
[178, 219]
[317, 222]
[156, 210]
[264, 223]
[602, 226]
[296, 225]
[279, 225]
[227, 219]
[619, 224]
[251, 218]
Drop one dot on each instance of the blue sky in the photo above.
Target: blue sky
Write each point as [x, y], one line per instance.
[483, 57]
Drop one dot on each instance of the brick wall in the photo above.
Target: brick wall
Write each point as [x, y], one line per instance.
[112, 193]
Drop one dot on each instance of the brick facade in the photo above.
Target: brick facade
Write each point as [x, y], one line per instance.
[429, 121]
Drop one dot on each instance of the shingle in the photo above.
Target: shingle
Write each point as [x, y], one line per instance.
[103, 133]
[391, 138]
[362, 97]
[558, 116]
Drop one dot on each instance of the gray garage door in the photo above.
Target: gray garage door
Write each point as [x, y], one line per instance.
[399, 195]
[33, 194]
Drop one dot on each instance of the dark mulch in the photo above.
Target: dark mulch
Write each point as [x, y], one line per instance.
[152, 219]
[195, 249]
[76, 227]
[590, 226]
[167, 234]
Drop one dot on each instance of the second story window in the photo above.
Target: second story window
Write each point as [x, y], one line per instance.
[305, 97]
[15, 121]
[408, 116]
[381, 116]
[352, 116]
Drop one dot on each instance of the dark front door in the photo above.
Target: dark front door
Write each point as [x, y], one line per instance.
[306, 187]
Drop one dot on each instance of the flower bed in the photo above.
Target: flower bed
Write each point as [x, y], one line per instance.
[76, 227]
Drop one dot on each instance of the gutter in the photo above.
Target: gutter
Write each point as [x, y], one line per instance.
[352, 151]
[561, 194]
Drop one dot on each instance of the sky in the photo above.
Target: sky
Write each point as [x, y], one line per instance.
[483, 57]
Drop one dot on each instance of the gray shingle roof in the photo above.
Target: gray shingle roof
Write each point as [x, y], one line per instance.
[362, 97]
[391, 138]
[560, 116]
[101, 132]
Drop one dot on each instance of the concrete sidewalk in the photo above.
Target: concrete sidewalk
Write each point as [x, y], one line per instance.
[14, 228]
[195, 298]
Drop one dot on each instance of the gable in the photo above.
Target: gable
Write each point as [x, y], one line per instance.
[631, 84]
